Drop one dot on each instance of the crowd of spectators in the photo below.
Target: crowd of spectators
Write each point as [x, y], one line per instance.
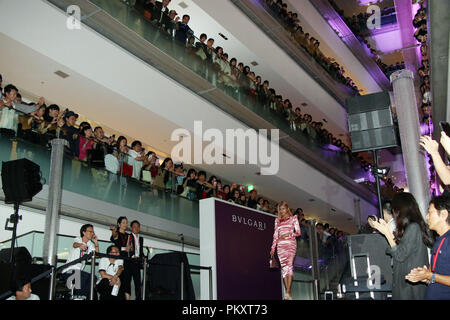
[239, 80]
[330, 240]
[421, 34]
[311, 45]
[39, 123]
[358, 25]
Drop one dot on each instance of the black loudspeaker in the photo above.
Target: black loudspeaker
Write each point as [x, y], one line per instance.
[21, 180]
[370, 122]
[164, 277]
[374, 245]
[22, 268]
[40, 287]
[21, 254]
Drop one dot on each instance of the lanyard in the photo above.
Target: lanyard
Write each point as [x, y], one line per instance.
[435, 255]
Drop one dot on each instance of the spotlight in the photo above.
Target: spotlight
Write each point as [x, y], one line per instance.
[380, 172]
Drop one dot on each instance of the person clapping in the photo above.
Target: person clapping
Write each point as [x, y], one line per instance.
[432, 147]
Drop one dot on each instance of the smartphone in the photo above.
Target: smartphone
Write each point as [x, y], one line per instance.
[445, 126]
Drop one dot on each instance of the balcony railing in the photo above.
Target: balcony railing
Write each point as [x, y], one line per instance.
[130, 29]
[105, 186]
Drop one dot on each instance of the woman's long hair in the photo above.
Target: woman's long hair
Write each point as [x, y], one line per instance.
[119, 221]
[188, 175]
[167, 174]
[406, 211]
[283, 204]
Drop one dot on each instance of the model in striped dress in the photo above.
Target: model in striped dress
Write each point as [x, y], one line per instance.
[287, 229]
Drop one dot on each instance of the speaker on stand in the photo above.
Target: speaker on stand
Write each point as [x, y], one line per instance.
[372, 128]
[21, 181]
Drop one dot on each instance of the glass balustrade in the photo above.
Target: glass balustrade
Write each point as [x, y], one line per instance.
[34, 242]
[332, 261]
[136, 21]
[80, 178]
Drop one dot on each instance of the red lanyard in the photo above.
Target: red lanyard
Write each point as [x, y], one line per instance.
[435, 256]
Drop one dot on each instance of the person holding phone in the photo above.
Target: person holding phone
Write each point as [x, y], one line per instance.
[432, 147]
[84, 245]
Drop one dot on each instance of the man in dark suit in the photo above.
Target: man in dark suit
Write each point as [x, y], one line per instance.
[159, 11]
[183, 30]
[136, 253]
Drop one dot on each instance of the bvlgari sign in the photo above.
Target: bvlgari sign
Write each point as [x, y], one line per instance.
[242, 242]
[253, 223]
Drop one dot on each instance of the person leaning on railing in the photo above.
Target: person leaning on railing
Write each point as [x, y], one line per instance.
[83, 245]
[190, 185]
[86, 142]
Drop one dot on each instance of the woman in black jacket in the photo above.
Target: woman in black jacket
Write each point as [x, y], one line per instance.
[407, 245]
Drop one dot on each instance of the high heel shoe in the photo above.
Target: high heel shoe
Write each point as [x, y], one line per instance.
[287, 296]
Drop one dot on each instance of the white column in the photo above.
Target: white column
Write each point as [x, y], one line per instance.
[54, 201]
[408, 120]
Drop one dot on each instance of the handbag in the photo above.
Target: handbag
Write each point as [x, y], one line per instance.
[273, 263]
[126, 170]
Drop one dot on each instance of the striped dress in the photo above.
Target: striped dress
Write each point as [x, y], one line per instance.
[286, 248]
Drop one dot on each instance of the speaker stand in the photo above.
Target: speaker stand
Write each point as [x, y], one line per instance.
[14, 219]
[377, 179]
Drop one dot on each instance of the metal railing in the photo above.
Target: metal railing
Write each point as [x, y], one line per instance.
[52, 273]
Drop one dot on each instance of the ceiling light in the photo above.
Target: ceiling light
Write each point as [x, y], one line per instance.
[223, 36]
[183, 5]
[61, 74]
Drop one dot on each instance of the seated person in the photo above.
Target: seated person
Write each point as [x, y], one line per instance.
[110, 270]
[22, 290]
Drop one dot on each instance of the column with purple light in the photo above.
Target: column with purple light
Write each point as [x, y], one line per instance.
[408, 121]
